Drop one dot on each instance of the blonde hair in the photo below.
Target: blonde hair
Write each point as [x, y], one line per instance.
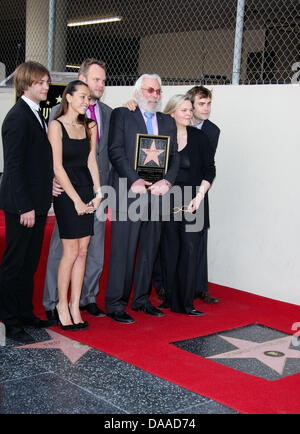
[87, 63]
[174, 102]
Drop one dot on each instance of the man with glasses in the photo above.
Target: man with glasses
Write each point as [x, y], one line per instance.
[127, 234]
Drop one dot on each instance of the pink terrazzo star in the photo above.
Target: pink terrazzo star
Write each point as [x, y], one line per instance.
[152, 153]
[272, 353]
[74, 350]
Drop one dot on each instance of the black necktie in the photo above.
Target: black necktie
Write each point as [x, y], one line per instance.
[42, 118]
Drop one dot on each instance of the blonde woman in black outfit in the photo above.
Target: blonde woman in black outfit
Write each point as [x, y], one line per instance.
[179, 247]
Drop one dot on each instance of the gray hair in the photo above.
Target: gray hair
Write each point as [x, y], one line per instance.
[174, 102]
[139, 83]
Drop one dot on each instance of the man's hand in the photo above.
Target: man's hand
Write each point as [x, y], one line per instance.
[56, 188]
[28, 219]
[139, 186]
[131, 105]
[160, 188]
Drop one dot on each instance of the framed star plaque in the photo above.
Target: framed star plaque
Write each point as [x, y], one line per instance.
[151, 156]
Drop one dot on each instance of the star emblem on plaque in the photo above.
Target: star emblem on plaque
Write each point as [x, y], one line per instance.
[151, 156]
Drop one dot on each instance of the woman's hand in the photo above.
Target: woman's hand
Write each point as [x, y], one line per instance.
[96, 202]
[195, 203]
[83, 208]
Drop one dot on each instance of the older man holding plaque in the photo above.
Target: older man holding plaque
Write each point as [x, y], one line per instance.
[134, 177]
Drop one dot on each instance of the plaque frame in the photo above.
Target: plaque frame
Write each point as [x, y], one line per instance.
[151, 172]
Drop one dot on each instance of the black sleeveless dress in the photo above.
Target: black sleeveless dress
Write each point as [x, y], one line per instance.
[75, 154]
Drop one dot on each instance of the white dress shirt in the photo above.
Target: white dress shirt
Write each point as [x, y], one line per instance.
[35, 108]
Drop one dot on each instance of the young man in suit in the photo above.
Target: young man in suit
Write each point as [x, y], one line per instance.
[92, 72]
[127, 233]
[25, 197]
[201, 98]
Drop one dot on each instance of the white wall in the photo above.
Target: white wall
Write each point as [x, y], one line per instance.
[254, 240]
[255, 208]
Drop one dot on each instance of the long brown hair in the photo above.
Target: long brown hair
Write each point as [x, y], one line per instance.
[64, 105]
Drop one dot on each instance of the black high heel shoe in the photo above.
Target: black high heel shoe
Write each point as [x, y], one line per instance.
[79, 325]
[70, 327]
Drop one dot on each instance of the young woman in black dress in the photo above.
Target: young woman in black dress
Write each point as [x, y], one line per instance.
[73, 140]
[179, 246]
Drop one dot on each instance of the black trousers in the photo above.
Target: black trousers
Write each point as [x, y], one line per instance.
[158, 275]
[202, 269]
[126, 238]
[20, 261]
[179, 252]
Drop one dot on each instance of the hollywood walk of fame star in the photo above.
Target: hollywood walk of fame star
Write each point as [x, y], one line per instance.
[152, 153]
[74, 350]
[272, 353]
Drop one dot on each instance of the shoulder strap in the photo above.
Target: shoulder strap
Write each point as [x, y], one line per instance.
[62, 126]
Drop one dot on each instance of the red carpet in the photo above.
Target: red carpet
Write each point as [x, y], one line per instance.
[146, 344]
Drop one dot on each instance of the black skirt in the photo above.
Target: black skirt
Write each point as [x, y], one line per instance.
[70, 224]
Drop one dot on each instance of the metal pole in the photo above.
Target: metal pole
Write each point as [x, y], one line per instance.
[51, 34]
[238, 42]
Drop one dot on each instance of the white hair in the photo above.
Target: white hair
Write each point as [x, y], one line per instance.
[139, 83]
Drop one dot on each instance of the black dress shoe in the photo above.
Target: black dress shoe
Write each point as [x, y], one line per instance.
[121, 317]
[37, 323]
[195, 312]
[207, 298]
[150, 310]
[161, 294]
[165, 305]
[93, 309]
[51, 314]
[18, 334]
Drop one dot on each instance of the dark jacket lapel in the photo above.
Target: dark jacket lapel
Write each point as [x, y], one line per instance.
[26, 107]
[140, 121]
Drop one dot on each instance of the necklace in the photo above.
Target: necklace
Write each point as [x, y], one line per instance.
[73, 124]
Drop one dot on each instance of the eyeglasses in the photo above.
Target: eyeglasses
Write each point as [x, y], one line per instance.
[151, 90]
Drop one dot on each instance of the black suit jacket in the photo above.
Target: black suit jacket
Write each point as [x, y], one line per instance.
[202, 165]
[26, 182]
[212, 132]
[124, 125]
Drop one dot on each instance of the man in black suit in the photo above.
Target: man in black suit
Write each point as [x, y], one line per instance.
[25, 197]
[93, 73]
[201, 98]
[126, 233]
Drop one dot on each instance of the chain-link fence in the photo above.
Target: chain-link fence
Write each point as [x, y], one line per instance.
[185, 42]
